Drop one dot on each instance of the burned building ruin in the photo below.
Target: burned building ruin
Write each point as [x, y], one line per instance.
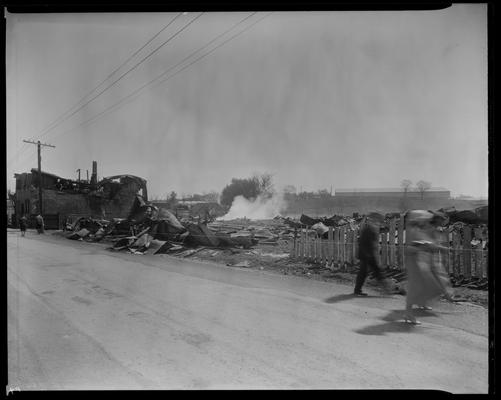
[63, 199]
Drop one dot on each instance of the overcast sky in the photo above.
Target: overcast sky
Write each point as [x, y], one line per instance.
[319, 99]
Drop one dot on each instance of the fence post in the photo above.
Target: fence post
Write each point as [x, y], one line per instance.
[342, 240]
[354, 246]
[306, 245]
[330, 246]
[322, 250]
[349, 244]
[467, 250]
[449, 262]
[312, 248]
[301, 245]
[355, 239]
[456, 240]
[336, 245]
[400, 239]
[485, 253]
[391, 235]
[478, 256]
[316, 247]
[384, 249]
[325, 251]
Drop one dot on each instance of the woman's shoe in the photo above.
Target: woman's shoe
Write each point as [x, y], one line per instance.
[408, 319]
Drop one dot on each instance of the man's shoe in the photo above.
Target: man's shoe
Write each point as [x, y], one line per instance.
[360, 293]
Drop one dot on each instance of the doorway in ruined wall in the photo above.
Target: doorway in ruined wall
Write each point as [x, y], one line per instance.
[27, 208]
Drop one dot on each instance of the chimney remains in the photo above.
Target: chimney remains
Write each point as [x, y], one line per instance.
[93, 178]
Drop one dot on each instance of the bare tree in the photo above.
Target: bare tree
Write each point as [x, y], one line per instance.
[289, 189]
[212, 196]
[422, 187]
[405, 184]
[172, 200]
[266, 184]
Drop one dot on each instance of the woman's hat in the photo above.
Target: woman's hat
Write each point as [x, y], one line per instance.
[418, 216]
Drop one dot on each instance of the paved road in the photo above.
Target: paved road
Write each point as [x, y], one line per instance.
[82, 317]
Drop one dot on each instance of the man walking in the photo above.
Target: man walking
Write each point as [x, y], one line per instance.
[368, 252]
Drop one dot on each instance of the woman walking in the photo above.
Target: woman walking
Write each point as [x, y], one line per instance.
[426, 279]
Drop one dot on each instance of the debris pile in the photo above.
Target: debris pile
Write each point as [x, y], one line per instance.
[244, 242]
[152, 229]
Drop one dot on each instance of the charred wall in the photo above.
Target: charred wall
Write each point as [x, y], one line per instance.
[112, 198]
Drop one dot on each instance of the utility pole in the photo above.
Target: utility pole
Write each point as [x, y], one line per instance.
[39, 145]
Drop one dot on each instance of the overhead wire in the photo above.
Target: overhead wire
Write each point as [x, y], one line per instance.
[113, 72]
[126, 73]
[135, 92]
[55, 121]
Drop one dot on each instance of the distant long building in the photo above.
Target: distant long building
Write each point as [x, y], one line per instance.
[435, 193]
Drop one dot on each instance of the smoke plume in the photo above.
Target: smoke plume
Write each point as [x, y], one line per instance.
[259, 208]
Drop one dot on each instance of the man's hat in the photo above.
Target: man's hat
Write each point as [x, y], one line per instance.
[375, 216]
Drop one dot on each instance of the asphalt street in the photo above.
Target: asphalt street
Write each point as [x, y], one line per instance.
[83, 317]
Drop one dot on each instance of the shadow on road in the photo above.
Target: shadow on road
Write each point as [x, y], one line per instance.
[395, 323]
[343, 297]
[387, 327]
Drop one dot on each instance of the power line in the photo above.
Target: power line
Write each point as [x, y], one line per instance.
[25, 147]
[112, 73]
[20, 153]
[125, 73]
[116, 105]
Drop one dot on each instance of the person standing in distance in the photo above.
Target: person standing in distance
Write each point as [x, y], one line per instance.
[40, 224]
[23, 222]
[368, 252]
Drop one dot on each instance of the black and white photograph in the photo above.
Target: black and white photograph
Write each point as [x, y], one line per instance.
[248, 200]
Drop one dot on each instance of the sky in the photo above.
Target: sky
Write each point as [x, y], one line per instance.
[347, 99]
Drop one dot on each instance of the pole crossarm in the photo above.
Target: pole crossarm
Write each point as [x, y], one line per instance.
[38, 143]
[40, 181]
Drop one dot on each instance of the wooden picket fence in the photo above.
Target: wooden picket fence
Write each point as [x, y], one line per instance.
[341, 248]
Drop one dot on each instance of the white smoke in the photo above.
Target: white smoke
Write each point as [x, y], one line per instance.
[260, 208]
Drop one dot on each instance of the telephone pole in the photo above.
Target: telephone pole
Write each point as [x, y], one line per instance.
[39, 145]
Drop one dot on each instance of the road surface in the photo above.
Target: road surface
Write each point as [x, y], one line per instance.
[83, 317]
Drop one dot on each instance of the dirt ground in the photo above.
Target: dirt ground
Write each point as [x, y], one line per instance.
[275, 259]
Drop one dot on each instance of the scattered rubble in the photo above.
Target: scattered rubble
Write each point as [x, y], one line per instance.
[263, 244]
